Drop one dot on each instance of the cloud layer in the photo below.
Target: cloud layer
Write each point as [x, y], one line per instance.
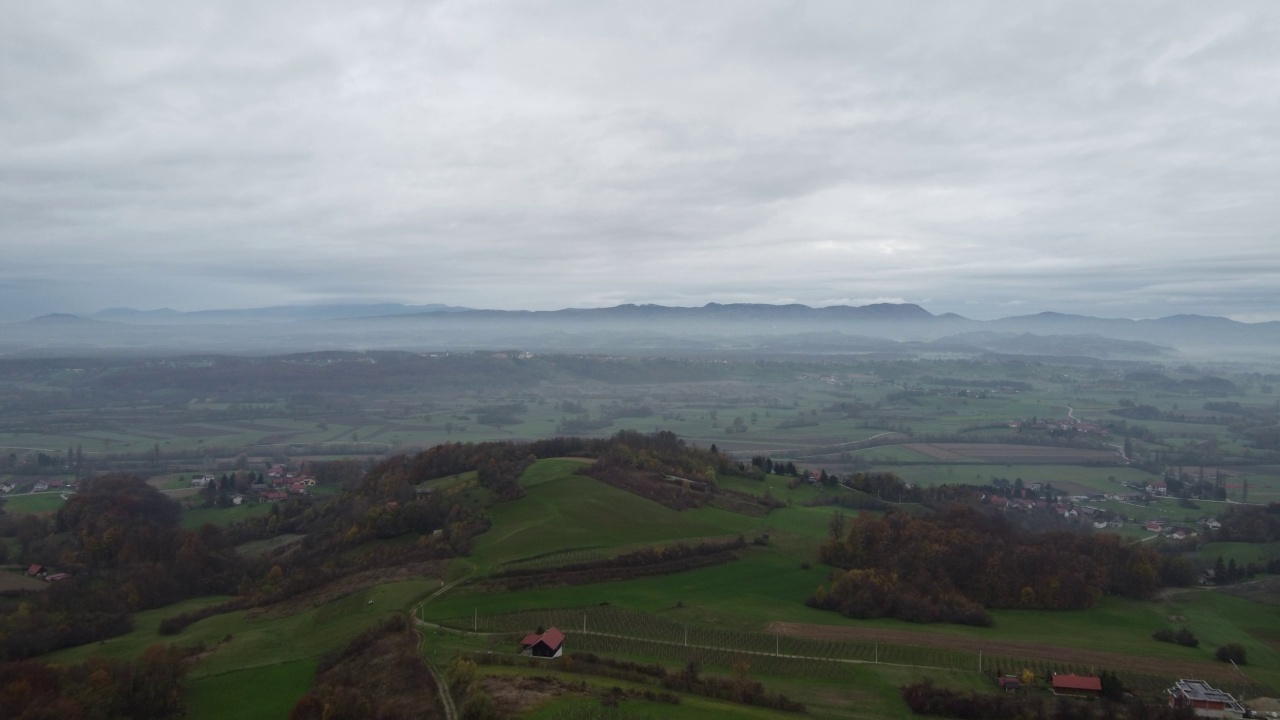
[1118, 159]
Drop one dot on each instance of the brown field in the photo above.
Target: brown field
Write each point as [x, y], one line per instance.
[1073, 488]
[1001, 453]
[1012, 649]
[15, 580]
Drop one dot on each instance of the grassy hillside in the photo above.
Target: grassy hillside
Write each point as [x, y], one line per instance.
[268, 661]
[258, 663]
[565, 510]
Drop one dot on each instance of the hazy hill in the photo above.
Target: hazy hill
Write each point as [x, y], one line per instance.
[655, 329]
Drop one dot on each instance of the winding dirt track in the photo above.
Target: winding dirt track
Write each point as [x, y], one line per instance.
[1013, 649]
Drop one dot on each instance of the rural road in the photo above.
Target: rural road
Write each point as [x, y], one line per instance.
[446, 698]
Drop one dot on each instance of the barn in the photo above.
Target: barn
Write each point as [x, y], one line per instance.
[549, 644]
[1066, 684]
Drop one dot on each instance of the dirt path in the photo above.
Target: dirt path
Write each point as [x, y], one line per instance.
[446, 698]
[1010, 648]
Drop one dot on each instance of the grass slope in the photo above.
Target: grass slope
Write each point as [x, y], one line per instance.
[268, 661]
[563, 510]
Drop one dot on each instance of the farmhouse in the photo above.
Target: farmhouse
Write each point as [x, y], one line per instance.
[549, 644]
[1065, 684]
[273, 496]
[1204, 699]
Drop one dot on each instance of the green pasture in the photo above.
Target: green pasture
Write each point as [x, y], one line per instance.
[891, 453]
[33, 503]
[195, 518]
[1242, 553]
[766, 584]
[861, 692]
[1096, 478]
[565, 510]
[267, 658]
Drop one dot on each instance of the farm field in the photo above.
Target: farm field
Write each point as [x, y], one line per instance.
[1091, 479]
[998, 453]
[14, 578]
[33, 503]
[818, 416]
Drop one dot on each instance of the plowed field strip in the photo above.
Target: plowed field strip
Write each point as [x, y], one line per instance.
[1013, 649]
[1001, 452]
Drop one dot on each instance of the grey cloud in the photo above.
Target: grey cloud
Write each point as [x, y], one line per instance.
[1066, 156]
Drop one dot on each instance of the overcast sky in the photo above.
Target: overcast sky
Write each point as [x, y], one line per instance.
[1119, 159]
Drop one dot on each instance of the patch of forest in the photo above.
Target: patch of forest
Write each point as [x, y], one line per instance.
[379, 674]
[953, 565]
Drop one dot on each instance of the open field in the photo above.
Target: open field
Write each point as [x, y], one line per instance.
[565, 510]
[13, 578]
[1098, 479]
[1002, 453]
[1242, 553]
[819, 416]
[1026, 651]
[270, 658]
[193, 518]
[34, 503]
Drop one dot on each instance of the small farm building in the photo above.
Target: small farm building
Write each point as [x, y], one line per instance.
[1064, 684]
[549, 644]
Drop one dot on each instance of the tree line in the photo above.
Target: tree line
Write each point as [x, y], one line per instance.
[953, 565]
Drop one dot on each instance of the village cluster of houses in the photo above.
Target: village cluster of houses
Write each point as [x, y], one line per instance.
[1075, 508]
[278, 484]
[1200, 696]
[1066, 508]
[1061, 425]
[40, 486]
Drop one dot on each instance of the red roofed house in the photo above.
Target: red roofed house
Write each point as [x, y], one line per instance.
[549, 644]
[1064, 684]
[1199, 695]
[1009, 683]
[36, 569]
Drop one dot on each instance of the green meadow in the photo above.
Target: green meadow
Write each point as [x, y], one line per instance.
[268, 661]
[33, 503]
[769, 583]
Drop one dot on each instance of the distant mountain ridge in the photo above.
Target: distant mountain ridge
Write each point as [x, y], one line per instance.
[274, 313]
[895, 328]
